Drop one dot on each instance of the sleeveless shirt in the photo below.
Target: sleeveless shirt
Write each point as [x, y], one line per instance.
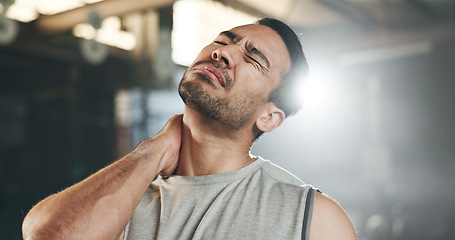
[259, 201]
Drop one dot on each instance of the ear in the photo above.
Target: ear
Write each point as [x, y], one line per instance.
[271, 118]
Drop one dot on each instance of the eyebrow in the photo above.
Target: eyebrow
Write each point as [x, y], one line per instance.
[234, 37]
[249, 46]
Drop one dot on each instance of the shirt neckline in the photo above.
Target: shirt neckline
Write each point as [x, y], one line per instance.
[215, 178]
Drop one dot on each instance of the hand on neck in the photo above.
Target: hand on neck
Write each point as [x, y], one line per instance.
[209, 148]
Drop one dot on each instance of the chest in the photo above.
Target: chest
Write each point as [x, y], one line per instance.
[239, 210]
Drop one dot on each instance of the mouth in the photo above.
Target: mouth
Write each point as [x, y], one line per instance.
[213, 73]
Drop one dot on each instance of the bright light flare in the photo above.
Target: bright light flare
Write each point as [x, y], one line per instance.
[110, 34]
[197, 23]
[50, 7]
[22, 10]
[29, 10]
[316, 90]
[84, 30]
[92, 1]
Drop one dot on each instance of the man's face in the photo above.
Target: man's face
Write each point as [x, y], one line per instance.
[232, 77]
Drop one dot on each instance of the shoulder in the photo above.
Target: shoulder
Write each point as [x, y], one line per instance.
[279, 174]
[329, 220]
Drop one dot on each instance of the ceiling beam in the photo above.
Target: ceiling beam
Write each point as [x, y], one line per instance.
[66, 20]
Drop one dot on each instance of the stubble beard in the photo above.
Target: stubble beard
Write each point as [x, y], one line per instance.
[233, 113]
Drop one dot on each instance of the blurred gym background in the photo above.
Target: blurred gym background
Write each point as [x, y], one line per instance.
[83, 81]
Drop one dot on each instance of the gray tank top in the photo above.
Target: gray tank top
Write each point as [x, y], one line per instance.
[259, 201]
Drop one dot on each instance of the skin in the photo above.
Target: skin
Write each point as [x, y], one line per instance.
[213, 146]
[225, 91]
[100, 206]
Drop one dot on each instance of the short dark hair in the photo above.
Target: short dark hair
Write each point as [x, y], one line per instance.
[284, 95]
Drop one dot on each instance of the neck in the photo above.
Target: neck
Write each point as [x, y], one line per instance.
[208, 148]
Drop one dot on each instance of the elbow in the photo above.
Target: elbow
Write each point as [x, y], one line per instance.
[37, 228]
[29, 230]
[38, 236]
[31, 237]
[39, 233]
[43, 222]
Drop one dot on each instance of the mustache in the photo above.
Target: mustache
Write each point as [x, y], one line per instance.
[222, 67]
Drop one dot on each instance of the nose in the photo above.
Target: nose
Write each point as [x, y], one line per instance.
[225, 54]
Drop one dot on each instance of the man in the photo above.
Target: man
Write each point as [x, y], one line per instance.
[209, 186]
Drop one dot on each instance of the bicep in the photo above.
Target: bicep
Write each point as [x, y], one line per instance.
[329, 220]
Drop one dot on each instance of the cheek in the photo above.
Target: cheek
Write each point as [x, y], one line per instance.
[257, 83]
[255, 90]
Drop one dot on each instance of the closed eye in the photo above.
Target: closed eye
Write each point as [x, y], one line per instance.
[222, 43]
[251, 58]
[256, 62]
[251, 49]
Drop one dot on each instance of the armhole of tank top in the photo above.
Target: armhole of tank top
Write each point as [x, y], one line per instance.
[308, 214]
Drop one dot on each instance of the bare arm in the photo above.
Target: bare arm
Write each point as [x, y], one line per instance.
[330, 221]
[100, 206]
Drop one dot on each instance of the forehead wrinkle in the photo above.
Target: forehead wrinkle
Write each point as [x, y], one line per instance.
[249, 46]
